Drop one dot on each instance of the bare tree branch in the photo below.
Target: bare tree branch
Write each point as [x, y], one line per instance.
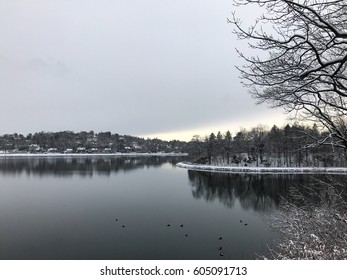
[305, 63]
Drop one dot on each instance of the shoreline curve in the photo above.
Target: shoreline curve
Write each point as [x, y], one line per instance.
[263, 170]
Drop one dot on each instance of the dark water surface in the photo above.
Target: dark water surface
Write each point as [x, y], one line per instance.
[74, 208]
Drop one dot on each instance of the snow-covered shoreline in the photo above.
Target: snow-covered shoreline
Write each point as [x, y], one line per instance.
[90, 155]
[263, 170]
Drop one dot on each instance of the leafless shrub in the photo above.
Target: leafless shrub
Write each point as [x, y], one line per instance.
[315, 228]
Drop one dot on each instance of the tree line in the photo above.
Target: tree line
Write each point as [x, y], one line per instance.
[289, 146]
[85, 142]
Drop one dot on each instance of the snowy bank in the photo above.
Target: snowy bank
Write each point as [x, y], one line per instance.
[266, 170]
[90, 155]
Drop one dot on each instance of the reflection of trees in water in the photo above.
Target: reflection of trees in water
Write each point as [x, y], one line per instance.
[323, 190]
[259, 192]
[83, 166]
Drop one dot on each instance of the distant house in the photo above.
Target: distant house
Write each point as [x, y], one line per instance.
[81, 150]
[34, 148]
[68, 151]
[136, 146]
[107, 150]
[52, 150]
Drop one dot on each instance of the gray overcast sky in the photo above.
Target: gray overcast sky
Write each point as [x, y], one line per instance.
[149, 68]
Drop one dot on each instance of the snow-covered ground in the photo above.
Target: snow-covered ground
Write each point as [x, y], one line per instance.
[90, 155]
[286, 170]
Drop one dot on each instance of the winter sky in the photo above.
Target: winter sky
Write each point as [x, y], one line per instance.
[154, 68]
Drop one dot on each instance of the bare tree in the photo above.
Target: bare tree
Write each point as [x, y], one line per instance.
[301, 60]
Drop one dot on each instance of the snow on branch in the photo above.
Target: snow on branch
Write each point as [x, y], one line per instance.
[298, 58]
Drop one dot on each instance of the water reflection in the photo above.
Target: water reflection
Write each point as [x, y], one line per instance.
[263, 192]
[259, 192]
[66, 215]
[82, 166]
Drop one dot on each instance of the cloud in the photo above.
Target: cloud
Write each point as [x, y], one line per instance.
[131, 67]
[48, 67]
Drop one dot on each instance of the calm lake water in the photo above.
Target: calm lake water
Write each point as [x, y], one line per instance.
[75, 208]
